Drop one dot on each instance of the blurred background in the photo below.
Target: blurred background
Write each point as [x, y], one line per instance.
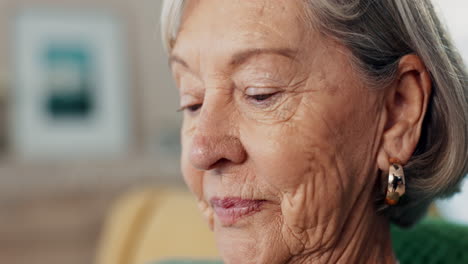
[87, 112]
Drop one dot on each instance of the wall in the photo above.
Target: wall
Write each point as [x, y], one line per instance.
[153, 104]
[52, 211]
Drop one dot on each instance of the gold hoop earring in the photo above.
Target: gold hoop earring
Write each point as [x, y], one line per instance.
[396, 182]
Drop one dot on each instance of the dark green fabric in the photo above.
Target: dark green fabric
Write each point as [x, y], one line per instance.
[429, 242]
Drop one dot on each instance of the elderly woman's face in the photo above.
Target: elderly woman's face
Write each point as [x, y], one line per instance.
[279, 134]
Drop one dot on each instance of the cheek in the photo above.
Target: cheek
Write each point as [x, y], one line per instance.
[292, 150]
[301, 165]
[299, 156]
[306, 162]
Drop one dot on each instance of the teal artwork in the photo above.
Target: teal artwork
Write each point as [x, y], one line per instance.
[70, 89]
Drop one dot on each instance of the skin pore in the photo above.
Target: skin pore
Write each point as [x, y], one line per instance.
[274, 111]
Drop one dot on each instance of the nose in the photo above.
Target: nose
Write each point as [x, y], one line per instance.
[214, 142]
[209, 150]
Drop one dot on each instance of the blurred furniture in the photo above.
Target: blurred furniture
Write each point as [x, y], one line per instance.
[155, 224]
[59, 227]
[160, 224]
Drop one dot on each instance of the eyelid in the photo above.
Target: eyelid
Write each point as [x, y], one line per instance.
[188, 99]
[251, 91]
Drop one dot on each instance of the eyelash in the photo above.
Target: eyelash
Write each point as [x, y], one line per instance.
[190, 108]
[263, 99]
[259, 99]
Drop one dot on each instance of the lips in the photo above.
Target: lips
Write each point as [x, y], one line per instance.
[231, 209]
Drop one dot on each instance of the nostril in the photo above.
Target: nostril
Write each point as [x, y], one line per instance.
[220, 163]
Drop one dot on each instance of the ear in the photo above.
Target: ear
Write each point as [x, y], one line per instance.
[406, 102]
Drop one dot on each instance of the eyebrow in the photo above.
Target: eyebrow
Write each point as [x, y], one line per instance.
[241, 57]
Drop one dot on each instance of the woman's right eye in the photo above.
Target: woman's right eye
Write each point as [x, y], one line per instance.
[194, 108]
[190, 108]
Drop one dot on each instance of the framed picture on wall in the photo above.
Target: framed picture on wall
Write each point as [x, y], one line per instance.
[71, 95]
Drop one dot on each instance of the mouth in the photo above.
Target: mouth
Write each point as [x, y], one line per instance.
[230, 210]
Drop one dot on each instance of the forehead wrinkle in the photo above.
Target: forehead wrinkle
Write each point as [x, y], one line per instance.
[260, 33]
[243, 56]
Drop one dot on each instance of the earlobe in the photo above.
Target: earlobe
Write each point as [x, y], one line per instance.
[395, 142]
[382, 160]
[405, 108]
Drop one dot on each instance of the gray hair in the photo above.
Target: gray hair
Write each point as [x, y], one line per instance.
[379, 33]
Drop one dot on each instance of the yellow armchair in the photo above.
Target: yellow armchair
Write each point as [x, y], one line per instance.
[154, 224]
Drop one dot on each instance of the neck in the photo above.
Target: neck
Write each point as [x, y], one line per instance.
[364, 239]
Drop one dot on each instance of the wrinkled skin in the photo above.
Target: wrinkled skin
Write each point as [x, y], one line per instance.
[311, 146]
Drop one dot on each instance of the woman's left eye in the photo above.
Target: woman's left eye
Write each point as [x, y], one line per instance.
[262, 97]
[260, 94]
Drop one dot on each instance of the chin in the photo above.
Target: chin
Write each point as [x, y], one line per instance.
[254, 238]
